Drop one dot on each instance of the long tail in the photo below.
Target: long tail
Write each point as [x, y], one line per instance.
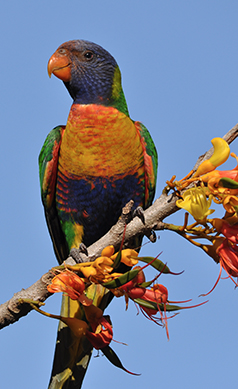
[72, 355]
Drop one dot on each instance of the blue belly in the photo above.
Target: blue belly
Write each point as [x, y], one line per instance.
[96, 203]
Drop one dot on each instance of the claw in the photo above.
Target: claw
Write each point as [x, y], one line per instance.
[152, 236]
[83, 249]
[140, 213]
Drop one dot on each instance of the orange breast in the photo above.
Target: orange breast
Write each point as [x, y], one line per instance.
[100, 142]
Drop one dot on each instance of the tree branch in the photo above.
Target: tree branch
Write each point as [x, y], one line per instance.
[165, 205]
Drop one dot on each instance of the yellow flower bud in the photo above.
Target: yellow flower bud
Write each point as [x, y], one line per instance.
[219, 156]
[108, 251]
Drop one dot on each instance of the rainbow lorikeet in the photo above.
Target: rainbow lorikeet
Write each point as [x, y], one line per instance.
[89, 170]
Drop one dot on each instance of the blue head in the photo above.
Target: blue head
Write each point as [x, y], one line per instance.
[89, 72]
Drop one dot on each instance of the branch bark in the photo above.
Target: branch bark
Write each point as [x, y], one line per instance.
[165, 205]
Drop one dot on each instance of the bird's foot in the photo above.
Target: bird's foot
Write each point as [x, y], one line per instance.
[151, 236]
[76, 253]
[139, 211]
[83, 249]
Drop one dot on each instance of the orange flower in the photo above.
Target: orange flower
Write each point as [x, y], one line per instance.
[214, 180]
[97, 269]
[101, 270]
[108, 251]
[128, 257]
[230, 203]
[216, 186]
[70, 284]
[103, 265]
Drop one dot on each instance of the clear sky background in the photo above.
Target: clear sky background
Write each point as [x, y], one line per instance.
[179, 67]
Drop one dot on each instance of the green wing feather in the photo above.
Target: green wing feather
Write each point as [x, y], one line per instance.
[48, 165]
[150, 161]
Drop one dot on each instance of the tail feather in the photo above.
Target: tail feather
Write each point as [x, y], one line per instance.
[72, 355]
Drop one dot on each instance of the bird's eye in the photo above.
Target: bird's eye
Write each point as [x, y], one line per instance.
[88, 55]
[62, 51]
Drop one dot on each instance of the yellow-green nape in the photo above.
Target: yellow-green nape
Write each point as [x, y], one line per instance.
[117, 97]
[116, 85]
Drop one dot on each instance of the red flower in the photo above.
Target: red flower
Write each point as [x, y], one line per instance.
[139, 279]
[229, 231]
[100, 337]
[228, 258]
[228, 253]
[228, 249]
[159, 295]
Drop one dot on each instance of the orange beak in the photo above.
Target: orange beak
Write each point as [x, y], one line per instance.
[60, 66]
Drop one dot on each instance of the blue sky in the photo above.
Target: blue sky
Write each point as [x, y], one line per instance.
[179, 67]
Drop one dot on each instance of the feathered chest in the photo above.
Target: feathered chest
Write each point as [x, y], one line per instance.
[100, 141]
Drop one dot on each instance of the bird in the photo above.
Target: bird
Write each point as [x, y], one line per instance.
[89, 169]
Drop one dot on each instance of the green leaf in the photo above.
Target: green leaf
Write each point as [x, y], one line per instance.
[146, 284]
[147, 304]
[122, 280]
[228, 183]
[113, 358]
[157, 264]
[154, 305]
[170, 308]
[117, 261]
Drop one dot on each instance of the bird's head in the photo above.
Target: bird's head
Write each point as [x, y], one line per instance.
[89, 72]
